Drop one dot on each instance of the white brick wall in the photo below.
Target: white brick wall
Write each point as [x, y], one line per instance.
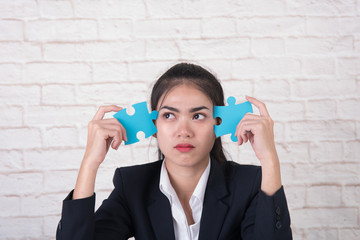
[61, 60]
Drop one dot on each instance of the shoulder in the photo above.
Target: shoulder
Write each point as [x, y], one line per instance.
[235, 170]
[241, 178]
[138, 174]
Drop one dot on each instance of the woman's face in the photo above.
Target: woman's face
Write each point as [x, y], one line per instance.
[185, 126]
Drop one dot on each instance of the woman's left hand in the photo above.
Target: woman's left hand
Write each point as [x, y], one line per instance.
[259, 131]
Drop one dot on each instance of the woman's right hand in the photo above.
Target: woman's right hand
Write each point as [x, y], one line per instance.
[103, 133]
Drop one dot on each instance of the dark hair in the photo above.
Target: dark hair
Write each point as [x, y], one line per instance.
[187, 73]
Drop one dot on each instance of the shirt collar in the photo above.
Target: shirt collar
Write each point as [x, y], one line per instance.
[167, 189]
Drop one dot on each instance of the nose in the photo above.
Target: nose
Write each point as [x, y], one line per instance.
[184, 129]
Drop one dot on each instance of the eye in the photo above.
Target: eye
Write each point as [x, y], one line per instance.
[168, 115]
[199, 116]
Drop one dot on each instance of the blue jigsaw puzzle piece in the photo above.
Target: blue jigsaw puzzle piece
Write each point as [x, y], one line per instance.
[141, 120]
[230, 116]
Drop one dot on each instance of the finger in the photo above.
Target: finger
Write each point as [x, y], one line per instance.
[260, 105]
[105, 109]
[117, 127]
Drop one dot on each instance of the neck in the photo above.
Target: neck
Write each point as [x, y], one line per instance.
[185, 179]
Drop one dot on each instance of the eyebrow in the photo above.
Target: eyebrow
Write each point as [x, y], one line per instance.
[196, 109]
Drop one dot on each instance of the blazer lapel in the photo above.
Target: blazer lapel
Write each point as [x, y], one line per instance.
[160, 215]
[215, 207]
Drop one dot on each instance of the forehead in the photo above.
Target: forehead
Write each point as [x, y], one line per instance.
[185, 95]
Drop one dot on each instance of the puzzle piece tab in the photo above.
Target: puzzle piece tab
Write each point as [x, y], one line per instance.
[230, 116]
[141, 120]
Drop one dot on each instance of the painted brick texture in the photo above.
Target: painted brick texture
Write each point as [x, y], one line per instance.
[61, 60]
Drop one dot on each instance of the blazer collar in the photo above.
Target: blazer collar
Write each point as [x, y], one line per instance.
[159, 210]
[213, 213]
[215, 207]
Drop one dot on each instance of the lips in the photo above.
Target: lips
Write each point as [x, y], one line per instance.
[184, 147]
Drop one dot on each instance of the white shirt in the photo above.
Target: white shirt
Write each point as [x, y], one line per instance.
[181, 228]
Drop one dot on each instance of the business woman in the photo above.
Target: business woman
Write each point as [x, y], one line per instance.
[192, 191]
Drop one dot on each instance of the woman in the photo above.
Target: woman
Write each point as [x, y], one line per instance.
[192, 192]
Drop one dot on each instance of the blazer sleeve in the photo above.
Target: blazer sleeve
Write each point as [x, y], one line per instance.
[111, 221]
[267, 217]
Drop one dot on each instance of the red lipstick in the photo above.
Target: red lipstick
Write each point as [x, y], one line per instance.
[184, 147]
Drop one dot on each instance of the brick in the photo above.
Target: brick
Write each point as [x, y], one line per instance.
[351, 195]
[18, 138]
[115, 29]
[318, 66]
[267, 47]
[58, 116]
[11, 116]
[147, 71]
[295, 152]
[58, 94]
[268, 8]
[320, 130]
[60, 51]
[22, 183]
[318, 46]
[162, 9]
[162, 50]
[110, 9]
[351, 234]
[57, 72]
[321, 109]
[10, 206]
[43, 159]
[349, 25]
[331, 173]
[348, 109]
[232, 87]
[60, 137]
[295, 196]
[321, 8]
[348, 66]
[52, 184]
[10, 73]
[221, 69]
[50, 224]
[61, 30]
[11, 30]
[214, 8]
[105, 94]
[205, 49]
[169, 28]
[56, 9]
[110, 72]
[325, 233]
[19, 52]
[272, 89]
[266, 67]
[325, 217]
[323, 196]
[19, 94]
[21, 227]
[285, 111]
[11, 161]
[271, 27]
[316, 88]
[42, 205]
[26, 9]
[323, 152]
[123, 50]
[352, 151]
[219, 27]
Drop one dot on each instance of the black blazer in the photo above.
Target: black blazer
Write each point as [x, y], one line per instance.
[234, 208]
